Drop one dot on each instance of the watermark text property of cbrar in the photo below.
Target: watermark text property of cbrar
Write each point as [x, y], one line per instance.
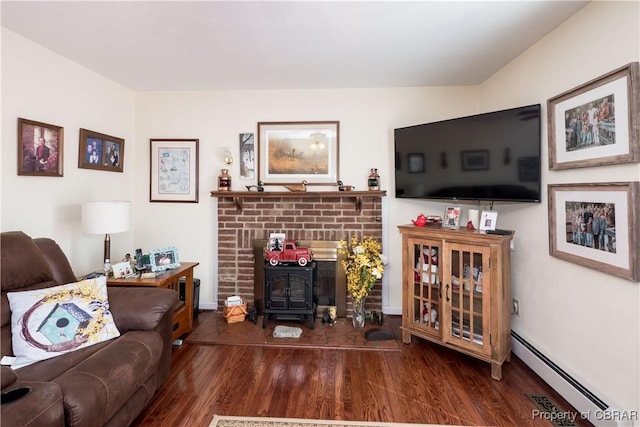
[599, 415]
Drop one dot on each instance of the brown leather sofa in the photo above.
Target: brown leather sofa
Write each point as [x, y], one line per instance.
[108, 383]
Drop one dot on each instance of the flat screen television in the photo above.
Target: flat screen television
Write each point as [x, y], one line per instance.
[485, 157]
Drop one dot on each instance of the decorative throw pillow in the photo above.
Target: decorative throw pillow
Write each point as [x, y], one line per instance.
[48, 322]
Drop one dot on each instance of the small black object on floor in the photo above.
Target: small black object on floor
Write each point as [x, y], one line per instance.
[377, 334]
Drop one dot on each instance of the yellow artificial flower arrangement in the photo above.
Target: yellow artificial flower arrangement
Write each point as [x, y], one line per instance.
[363, 265]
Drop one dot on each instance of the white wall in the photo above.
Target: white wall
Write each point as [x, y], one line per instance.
[586, 321]
[367, 119]
[45, 87]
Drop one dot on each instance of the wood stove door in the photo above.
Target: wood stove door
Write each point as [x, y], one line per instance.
[300, 290]
[276, 292]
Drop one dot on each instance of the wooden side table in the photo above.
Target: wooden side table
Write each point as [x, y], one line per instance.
[183, 313]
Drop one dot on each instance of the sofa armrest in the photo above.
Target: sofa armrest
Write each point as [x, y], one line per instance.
[140, 309]
[33, 404]
[8, 376]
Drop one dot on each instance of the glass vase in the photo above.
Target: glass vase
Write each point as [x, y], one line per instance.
[358, 313]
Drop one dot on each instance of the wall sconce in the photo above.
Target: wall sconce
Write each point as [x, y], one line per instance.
[227, 156]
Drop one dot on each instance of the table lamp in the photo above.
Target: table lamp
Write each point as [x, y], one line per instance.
[106, 218]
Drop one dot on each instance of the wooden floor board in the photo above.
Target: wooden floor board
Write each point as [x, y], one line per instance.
[421, 383]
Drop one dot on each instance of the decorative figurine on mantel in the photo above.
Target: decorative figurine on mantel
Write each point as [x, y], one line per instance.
[258, 187]
[302, 187]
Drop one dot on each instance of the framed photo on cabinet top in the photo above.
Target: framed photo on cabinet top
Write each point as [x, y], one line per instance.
[100, 151]
[597, 226]
[452, 217]
[40, 148]
[292, 152]
[488, 220]
[596, 123]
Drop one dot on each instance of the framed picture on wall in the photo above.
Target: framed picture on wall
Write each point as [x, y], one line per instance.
[40, 148]
[597, 226]
[596, 123]
[99, 151]
[292, 152]
[174, 170]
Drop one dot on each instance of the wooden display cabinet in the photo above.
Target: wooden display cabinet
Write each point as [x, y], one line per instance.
[457, 291]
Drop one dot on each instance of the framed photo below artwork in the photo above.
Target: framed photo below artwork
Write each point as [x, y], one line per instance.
[597, 123]
[100, 151]
[488, 220]
[292, 152]
[174, 170]
[40, 148]
[596, 225]
[452, 217]
[164, 259]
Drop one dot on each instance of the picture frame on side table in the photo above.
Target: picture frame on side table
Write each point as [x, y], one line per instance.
[452, 217]
[488, 220]
[612, 245]
[164, 259]
[596, 123]
[174, 170]
[122, 270]
[99, 151]
[40, 148]
[292, 152]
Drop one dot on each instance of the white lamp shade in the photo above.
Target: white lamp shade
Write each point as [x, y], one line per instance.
[106, 217]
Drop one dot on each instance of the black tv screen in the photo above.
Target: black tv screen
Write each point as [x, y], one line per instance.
[485, 157]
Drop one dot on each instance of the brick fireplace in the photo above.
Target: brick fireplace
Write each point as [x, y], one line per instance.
[245, 217]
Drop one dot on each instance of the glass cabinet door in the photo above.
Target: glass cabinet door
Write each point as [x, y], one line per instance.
[466, 300]
[426, 299]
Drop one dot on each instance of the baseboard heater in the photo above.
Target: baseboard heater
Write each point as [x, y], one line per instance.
[588, 405]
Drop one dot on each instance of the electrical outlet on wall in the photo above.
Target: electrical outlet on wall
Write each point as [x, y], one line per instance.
[515, 307]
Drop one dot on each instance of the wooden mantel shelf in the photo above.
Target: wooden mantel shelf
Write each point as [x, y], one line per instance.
[239, 196]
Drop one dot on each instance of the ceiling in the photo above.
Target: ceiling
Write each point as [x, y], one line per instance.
[242, 45]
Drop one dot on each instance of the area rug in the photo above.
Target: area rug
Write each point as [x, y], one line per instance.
[214, 330]
[223, 421]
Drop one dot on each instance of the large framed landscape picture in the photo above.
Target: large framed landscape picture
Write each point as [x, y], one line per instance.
[597, 226]
[596, 123]
[292, 152]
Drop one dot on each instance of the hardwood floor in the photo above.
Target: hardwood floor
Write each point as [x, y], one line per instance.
[422, 383]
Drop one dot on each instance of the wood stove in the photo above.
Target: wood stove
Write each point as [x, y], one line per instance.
[288, 293]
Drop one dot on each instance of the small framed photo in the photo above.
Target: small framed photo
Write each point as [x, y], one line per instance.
[164, 259]
[39, 148]
[596, 226]
[122, 270]
[488, 220]
[292, 152]
[174, 170]
[415, 162]
[474, 160]
[452, 217]
[596, 123]
[100, 151]
[276, 241]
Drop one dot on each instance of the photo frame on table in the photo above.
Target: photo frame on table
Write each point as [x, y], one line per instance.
[123, 270]
[99, 151]
[452, 217]
[164, 259]
[415, 162]
[596, 225]
[596, 123]
[40, 148]
[174, 170]
[474, 160]
[292, 152]
[488, 220]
